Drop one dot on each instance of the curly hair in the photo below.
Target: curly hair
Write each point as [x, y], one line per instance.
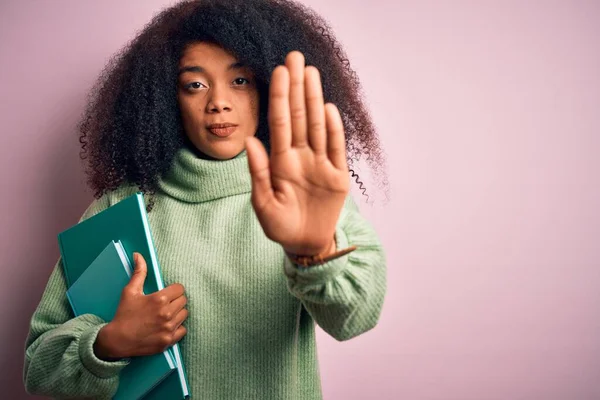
[131, 128]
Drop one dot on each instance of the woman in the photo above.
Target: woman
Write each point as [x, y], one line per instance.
[240, 147]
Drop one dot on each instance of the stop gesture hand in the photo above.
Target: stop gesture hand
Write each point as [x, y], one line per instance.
[298, 192]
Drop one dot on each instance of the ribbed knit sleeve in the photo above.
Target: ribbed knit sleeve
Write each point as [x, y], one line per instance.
[345, 295]
[59, 355]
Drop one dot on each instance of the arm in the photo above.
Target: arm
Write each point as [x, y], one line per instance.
[345, 295]
[59, 358]
[299, 190]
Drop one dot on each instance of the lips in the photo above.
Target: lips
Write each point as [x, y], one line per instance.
[220, 125]
[222, 129]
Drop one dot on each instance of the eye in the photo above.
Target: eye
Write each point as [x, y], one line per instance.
[193, 85]
[241, 79]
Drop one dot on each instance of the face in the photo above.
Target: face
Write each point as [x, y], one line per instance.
[218, 99]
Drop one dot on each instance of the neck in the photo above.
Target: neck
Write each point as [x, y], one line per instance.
[195, 178]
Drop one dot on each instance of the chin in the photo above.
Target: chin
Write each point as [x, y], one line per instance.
[225, 156]
[221, 152]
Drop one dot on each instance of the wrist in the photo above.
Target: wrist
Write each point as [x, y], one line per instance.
[321, 257]
[330, 249]
[104, 346]
[312, 252]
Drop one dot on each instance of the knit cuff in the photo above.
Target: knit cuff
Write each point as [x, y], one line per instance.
[300, 274]
[98, 367]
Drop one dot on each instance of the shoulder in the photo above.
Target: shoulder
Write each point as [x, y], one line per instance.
[350, 208]
[350, 203]
[358, 229]
[108, 199]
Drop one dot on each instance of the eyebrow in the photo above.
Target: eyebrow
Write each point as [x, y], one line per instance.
[196, 68]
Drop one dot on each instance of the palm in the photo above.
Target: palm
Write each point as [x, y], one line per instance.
[298, 193]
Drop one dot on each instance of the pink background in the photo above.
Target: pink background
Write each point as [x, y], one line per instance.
[489, 113]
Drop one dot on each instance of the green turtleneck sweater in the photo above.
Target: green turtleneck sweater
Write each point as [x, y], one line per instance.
[252, 313]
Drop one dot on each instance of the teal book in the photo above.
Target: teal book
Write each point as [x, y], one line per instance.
[126, 221]
[98, 291]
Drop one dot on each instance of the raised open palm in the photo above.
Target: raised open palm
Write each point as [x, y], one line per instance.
[299, 192]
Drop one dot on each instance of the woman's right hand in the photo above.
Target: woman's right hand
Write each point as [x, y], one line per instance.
[143, 324]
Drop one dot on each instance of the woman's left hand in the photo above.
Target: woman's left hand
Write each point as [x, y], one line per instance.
[299, 192]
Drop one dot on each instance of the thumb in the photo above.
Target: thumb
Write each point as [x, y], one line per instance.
[139, 273]
[258, 162]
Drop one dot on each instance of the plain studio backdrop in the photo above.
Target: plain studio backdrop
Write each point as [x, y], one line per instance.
[488, 113]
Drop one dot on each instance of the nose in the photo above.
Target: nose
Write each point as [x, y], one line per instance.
[218, 101]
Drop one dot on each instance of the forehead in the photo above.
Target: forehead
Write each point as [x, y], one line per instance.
[206, 54]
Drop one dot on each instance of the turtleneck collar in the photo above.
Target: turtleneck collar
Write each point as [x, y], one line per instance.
[195, 180]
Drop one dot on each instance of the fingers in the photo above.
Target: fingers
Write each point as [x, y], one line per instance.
[258, 162]
[136, 283]
[174, 315]
[169, 339]
[294, 62]
[279, 110]
[176, 305]
[336, 141]
[317, 134]
[180, 318]
[170, 293]
[297, 115]
[179, 334]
